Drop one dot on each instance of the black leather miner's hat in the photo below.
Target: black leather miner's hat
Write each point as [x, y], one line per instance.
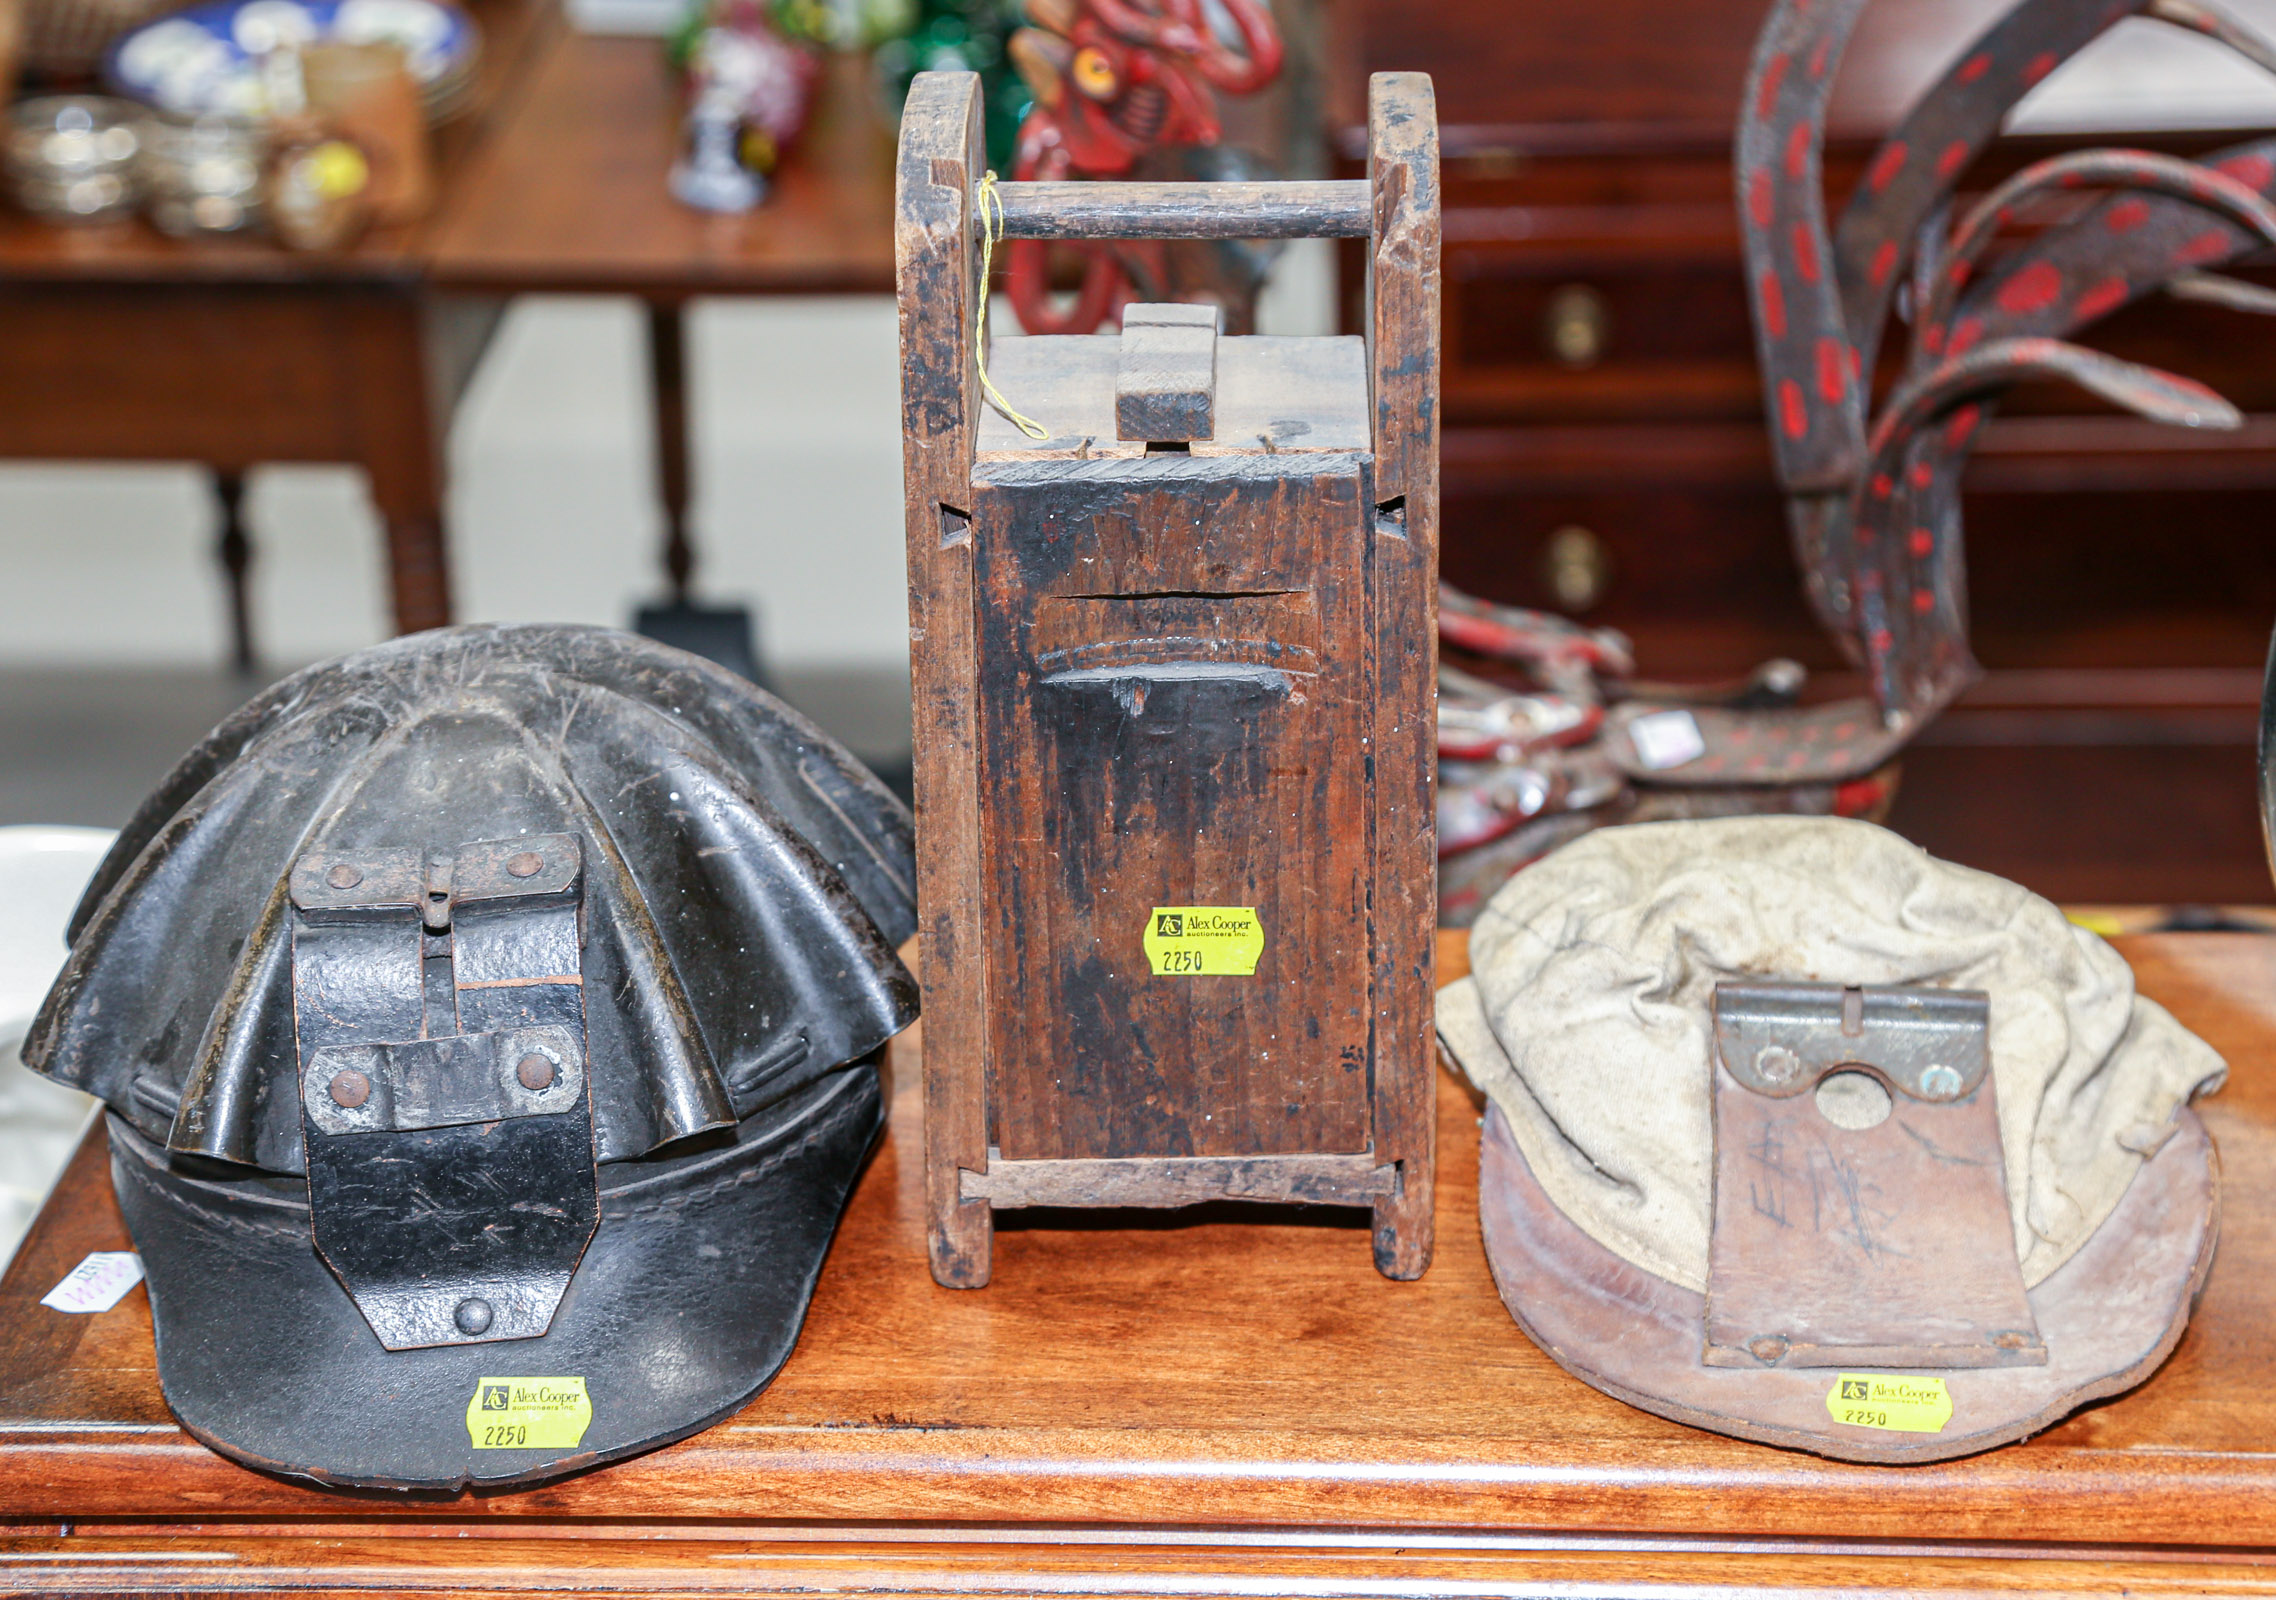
[488, 1023]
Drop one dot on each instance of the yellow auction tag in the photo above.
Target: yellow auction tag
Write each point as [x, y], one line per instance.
[1902, 1405]
[1204, 941]
[528, 1414]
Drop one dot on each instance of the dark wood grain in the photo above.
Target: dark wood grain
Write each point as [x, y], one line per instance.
[1176, 709]
[1190, 1372]
[1404, 340]
[941, 161]
[1218, 792]
[668, 404]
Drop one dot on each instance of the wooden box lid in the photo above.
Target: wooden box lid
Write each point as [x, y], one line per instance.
[1296, 393]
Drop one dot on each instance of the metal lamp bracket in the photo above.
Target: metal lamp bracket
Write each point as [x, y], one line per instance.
[445, 1101]
[1860, 1210]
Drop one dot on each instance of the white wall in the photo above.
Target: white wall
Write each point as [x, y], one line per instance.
[2152, 74]
[797, 473]
[795, 419]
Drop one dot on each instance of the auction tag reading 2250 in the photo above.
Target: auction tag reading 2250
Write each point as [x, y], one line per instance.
[1204, 941]
[528, 1414]
[1902, 1405]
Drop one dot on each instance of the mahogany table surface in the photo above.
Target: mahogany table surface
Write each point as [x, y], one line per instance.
[571, 193]
[557, 179]
[1187, 1404]
[515, 35]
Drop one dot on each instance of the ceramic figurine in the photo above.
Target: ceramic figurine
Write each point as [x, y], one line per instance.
[749, 94]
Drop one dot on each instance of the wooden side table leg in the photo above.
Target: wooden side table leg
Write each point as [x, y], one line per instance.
[384, 345]
[234, 549]
[667, 371]
[418, 569]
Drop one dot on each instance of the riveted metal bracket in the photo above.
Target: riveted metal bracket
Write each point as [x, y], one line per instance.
[446, 1106]
[442, 1083]
[1780, 1039]
[1867, 1228]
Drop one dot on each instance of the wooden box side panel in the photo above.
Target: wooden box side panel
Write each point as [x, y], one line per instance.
[940, 163]
[1403, 339]
[1176, 675]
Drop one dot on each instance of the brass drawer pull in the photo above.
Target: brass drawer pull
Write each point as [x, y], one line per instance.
[1576, 325]
[1577, 567]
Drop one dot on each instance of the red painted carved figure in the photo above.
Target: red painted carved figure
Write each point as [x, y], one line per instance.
[1127, 88]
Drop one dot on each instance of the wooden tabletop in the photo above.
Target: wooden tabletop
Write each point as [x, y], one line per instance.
[571, 195]
[1163, 1395]
[556, 180]
[515, 35]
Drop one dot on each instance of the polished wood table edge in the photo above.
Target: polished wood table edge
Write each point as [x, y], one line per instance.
[159, 1562]
[842, 1463]
[835, 1475]
[224, 266]
[664, 285]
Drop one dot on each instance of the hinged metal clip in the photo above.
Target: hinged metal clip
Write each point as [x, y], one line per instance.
[1861, 1213]
[439, 1003]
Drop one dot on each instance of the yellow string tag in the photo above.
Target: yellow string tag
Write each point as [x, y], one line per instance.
[991, 229]
[528, 1414]
[1901, 1405]
[1203, 941]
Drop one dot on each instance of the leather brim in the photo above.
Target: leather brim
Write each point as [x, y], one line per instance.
[2110, 1315]
[686, 1303]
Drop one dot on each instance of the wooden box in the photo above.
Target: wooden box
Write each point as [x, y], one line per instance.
[1174, 709]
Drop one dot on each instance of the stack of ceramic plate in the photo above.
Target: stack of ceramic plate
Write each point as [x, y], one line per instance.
[208, 58]
[204, 174]
[73, 157]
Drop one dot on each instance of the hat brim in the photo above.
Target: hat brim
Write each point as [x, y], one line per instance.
[2109, 1316]
[687, 1302]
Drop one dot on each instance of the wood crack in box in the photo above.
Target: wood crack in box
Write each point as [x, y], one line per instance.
[1174, 667]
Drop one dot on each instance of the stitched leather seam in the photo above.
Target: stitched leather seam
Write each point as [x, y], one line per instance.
[830, 1124]
[750, 1174]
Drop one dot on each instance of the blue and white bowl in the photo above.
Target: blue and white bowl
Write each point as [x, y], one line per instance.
[207, 58]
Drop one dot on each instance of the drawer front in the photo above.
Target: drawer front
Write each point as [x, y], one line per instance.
[1601, 339]
[1702, 577]
[1601, 287]
[1604, 340]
